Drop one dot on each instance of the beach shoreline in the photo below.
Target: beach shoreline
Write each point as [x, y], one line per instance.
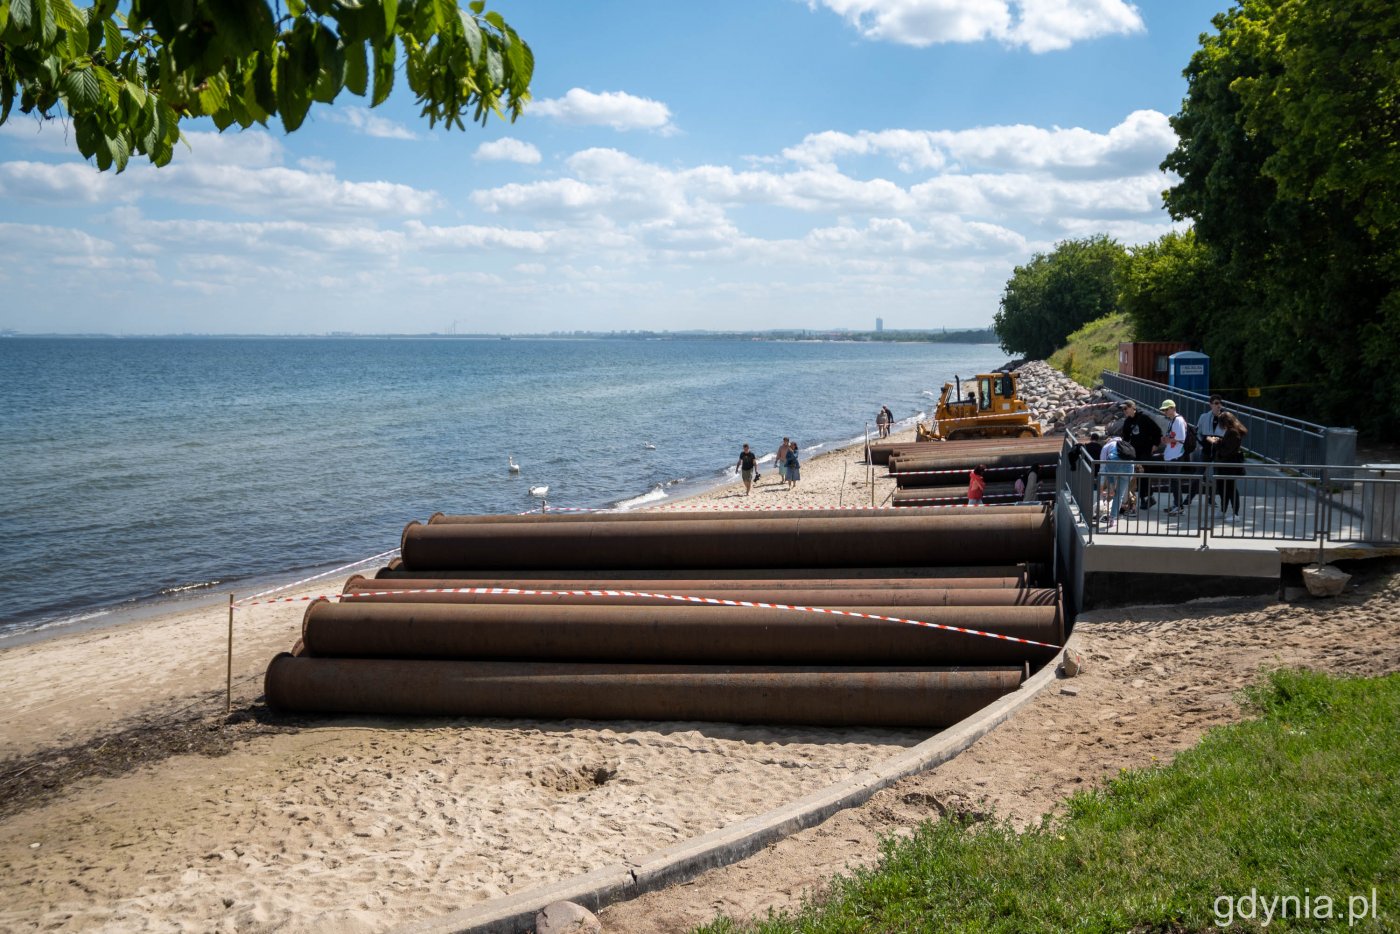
[161, 842]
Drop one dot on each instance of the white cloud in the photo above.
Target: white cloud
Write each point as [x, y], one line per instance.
[251, 149]
[363, 120]
[507, 149]
[59, 183]
[617, 109]
[1137, 144]
[1039, 25]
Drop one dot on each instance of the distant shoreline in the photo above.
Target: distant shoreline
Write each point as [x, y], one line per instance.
[979, 336]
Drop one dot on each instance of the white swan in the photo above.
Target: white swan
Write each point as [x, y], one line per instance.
[540, 491]
[510, 462]
[649, 446]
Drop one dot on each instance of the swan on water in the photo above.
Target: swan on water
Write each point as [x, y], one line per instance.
[540, 491]
[649, 446]
[510, 461]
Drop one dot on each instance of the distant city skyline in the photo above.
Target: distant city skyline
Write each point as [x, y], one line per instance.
[639, 191]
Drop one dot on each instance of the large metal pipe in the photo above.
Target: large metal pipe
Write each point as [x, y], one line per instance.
[885, 697]
[671, 515]
[971, 538]
[995, 477]
[995, 495]
[596, 582]
[396, 571]
[677, 633]
[881, 453]
[1023, 459]
[905, 597]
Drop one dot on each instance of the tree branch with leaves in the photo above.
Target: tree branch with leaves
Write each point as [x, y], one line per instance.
[127, 80]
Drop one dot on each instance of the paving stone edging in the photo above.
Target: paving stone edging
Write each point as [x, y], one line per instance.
[514, 914]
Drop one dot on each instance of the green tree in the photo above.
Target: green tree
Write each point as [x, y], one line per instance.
[1057, 293]
[127, 80]
[1290, 171]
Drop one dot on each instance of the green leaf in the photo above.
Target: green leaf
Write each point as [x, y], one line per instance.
[81, 88]
[213, 95]
[22, 16]
[391, 16]
[264, 90]
[331, 59]
[494, 70]
[293, 88]
[472, 33]
[383, 72]
[357, 69]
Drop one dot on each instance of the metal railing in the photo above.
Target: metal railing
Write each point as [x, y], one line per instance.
[1236, 501]
[1272, 437]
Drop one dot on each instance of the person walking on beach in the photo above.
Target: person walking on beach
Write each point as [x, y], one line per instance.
[882, 424]
[794, 468]
[745, 466]
[977, 485]
[780, 459]
[1229, 455]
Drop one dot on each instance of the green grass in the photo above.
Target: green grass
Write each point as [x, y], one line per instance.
[1092, 349]
[1303, 800]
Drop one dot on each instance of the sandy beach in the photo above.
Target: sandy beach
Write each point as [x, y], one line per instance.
[132, 806]
[128, 805]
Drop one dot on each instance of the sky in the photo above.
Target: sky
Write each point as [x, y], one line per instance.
[728, 165]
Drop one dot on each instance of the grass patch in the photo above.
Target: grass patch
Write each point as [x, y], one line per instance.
[1302, 801]
[1092, 349]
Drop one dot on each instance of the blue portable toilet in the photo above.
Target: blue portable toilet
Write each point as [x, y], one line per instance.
[1189, 370]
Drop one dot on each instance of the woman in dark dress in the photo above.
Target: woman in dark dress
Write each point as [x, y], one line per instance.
[1229, 456]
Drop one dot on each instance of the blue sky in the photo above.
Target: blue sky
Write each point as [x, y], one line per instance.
[730, 165]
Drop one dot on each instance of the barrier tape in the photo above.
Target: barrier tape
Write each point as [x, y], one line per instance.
[733, 507]
[246, 601]
[713, 601]
[929, 473]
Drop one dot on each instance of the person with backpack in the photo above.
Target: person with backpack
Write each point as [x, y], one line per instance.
[746, 467]
[1142, 435]
[1210, 428]
[1118, 456]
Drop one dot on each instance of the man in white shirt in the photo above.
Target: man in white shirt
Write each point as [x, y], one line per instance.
[1174, 448]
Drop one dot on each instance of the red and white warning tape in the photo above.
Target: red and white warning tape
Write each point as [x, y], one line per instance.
[740, 507]
[682, 598]
[249, 601]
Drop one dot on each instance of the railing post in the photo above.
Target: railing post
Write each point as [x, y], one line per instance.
[1324, 519]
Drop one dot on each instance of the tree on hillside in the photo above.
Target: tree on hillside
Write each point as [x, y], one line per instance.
[1057, 293]
[127, 79]
[1290, 171]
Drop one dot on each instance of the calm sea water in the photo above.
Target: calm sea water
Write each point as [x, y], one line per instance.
[144, 469]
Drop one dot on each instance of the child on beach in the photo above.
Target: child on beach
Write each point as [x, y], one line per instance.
[976, 485]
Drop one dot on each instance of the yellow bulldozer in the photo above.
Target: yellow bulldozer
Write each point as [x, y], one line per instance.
[991, 408]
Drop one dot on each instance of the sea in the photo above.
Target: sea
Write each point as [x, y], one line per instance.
[142, 474]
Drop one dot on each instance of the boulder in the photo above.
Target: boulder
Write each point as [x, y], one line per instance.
[567, 918]
[1323, 580]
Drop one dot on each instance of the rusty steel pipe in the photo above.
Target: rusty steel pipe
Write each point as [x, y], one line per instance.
[672, 515]
[597, 582]
[903, 597]
[882, 452]
[883, 697]
[1019, 459]
[395, 571]
[905, 479]
[677, 633]
[969, 538]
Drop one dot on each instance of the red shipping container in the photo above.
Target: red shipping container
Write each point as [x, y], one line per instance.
[1148, 359]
